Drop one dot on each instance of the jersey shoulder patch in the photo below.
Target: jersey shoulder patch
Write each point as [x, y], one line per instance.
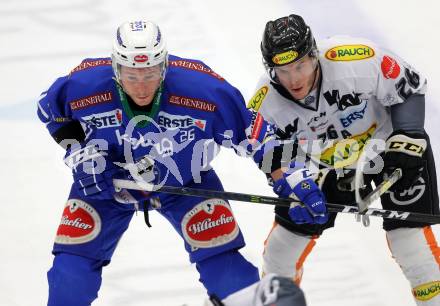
[345, 49]
[258, 98]
[89, 63]
[193, 65]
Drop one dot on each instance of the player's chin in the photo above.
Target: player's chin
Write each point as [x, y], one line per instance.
[299, 93]
[143, 100]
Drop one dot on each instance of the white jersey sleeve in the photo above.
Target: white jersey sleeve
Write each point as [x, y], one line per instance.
[397, 80]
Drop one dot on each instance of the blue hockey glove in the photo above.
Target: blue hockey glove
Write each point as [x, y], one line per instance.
[300, 185]
[92, 173]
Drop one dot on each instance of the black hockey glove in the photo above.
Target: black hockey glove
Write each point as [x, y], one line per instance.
[405, 151]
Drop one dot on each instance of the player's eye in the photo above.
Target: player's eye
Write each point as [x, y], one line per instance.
[299, 67]
[149, 77]
[132, 78]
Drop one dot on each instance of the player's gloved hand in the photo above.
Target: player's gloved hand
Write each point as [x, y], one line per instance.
[143, 172]
[92, 173]
[405, 151]
[298, 184]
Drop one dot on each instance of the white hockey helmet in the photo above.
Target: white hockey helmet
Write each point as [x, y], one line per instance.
[139, 44]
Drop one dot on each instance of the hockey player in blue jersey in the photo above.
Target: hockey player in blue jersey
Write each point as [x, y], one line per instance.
[150, 116]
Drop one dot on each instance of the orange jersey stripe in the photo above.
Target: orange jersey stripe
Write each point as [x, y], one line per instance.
[275, 224]
[306, 252]
[302, 259]
[432, 243]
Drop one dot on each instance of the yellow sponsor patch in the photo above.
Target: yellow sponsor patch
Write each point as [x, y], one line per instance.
[285, 57]
[346, 152]
[349, 53]
[257, 99]
[427, 291]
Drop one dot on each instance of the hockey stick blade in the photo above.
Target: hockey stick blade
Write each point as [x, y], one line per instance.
[258, 199]
[383, 187]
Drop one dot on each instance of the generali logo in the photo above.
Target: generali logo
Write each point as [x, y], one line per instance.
[193, 103]
[197, 66]
[91, 100]
[90, 64]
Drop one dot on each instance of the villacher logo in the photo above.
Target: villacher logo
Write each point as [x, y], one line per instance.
[209, 224]
[80, 223]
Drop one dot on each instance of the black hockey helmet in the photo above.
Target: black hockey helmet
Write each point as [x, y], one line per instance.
[286, 40]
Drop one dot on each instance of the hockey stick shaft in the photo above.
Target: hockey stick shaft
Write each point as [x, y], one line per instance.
[252, 198]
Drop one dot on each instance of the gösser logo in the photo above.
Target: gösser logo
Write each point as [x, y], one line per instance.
[141, 58]
[80, 223]
[209, 224]
[349, 53]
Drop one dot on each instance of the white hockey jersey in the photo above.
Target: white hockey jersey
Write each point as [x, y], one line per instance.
[333, 124]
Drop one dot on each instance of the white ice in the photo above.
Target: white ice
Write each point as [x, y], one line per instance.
[44, 39]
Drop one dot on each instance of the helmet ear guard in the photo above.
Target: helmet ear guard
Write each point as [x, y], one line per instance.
[138, 44]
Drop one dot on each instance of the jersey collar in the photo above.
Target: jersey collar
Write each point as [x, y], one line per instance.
[131, 113]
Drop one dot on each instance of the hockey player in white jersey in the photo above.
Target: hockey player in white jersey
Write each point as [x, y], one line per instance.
[331, 101]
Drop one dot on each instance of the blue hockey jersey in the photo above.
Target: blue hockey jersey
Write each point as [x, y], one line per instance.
[195, 110]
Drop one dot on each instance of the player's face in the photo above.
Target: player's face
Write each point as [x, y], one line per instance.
[298, 77]
[141, 84]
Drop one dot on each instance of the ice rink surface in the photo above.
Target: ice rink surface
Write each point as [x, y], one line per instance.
[42, 39]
